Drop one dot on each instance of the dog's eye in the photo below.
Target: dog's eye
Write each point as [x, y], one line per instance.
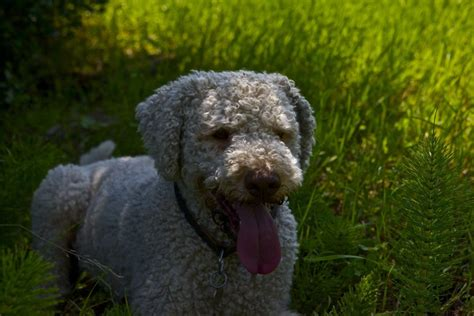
[221, 134]
[282, 135]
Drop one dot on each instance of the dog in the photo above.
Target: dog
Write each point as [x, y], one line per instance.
[201, 225]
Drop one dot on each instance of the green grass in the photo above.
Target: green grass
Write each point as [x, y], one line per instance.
[380, 75]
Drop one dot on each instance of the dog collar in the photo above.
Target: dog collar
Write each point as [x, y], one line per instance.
[220, 249]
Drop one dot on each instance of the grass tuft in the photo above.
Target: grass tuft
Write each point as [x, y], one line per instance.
[23, 284]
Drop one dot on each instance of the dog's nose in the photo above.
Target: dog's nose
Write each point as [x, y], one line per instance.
[262, 184]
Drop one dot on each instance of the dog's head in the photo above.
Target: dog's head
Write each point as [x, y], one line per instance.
[241, 137]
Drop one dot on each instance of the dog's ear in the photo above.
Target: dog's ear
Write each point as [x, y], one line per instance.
[160, 119]
[305, 117]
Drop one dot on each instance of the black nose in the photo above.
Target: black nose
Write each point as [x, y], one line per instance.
[262, 184]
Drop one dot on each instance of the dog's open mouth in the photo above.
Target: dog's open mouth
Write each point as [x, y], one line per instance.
[258, 246]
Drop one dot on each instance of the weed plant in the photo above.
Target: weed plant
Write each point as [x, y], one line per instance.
[385, 224]
[433, 248]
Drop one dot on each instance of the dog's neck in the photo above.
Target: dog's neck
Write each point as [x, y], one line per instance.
[195, 210]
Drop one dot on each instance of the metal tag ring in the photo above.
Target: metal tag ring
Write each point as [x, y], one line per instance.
[218, 280]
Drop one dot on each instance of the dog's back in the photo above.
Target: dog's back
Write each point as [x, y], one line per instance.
[61, 203]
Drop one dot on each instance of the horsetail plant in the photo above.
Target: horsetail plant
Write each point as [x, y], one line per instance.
[433, 247]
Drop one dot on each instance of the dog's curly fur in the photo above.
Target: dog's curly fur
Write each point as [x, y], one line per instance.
[122, 213]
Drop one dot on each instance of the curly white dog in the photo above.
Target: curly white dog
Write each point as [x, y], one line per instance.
[209, 230]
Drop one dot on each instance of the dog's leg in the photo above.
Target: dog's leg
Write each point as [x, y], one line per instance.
[57, 208]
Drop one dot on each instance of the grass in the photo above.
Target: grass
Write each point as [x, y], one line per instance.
[379, 74]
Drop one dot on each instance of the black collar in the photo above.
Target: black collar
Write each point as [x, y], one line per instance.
[215, 245]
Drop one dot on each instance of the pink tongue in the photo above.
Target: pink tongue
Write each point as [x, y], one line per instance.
[258, 246]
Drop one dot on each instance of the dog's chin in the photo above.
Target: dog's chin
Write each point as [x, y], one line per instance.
[251, 222]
